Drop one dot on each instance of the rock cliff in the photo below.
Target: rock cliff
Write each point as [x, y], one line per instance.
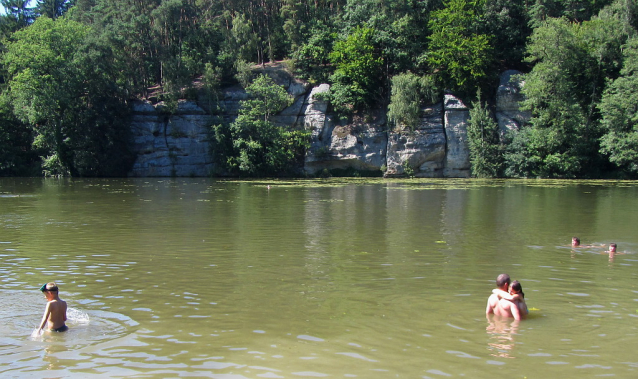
[177, 143]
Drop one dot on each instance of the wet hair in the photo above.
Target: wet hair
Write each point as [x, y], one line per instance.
[516, 286]
[502, 279]
[576, 239]
[612, 245]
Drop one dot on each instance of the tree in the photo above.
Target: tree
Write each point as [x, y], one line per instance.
[400, 29]
[486, 153]
[572, 62]
[459, 55]
[573, 10]
[311, 58]
[53, 8]
[357, 77]
[17, 157]
[252, 144]
[507, 21]
[409, 92]
[17, 15]
[619, 108]
[65, 90]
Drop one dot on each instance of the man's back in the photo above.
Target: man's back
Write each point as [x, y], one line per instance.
[492, 304]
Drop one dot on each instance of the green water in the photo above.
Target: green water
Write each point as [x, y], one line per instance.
[305, 279]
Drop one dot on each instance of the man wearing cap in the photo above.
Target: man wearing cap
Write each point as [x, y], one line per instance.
[55, 311]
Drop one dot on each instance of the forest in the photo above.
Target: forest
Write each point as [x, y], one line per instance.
[69, 70]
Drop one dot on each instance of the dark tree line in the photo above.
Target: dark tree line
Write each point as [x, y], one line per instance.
[69, 69]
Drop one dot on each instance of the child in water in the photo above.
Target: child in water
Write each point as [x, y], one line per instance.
[55, 311]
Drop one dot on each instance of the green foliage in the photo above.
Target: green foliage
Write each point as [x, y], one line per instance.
[17, 15]
[507, 21]
[244, 73]
[61, 84]
[619, 108]
[356, 80]
[66, 86]
[486, 153]
[408, 170]
[53, 8]
[17, 157]
[459, 54]
[572, 62]
[312, 58]
[400, 29]
[573, 10]
[409, 92]
[252, 145]
[244, 41]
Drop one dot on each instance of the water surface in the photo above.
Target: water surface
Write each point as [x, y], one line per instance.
[305, 279]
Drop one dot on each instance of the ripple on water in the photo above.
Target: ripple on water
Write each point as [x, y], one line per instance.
[23, 312]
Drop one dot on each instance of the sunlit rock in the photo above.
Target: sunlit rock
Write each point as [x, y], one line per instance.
[421, 151]
[174, 144]
[508, 97]
[457, 160]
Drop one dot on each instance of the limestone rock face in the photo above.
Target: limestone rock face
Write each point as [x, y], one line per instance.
[177, 143]
[171, 146]
[423, 149]
[457, 160]
[361, 145]
[508, 97]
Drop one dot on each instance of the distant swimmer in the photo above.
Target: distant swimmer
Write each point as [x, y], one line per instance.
[575, 242]
[55, 311]
[612, 251]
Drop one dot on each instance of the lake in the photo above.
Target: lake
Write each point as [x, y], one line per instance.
[356, 278]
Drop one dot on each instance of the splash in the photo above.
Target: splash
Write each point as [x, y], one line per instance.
[77, 316]
[36, 334]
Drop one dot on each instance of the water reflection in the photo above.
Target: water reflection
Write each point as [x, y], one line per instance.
[51, 354]
[501, 336]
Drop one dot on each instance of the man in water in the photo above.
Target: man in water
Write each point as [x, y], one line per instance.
[502, 283]
[500, 307]
[514, 296]
[55, 311]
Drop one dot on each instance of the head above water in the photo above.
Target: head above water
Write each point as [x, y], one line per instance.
[49, 287]
[502, 280]
[516, 288]
[575, 241]
[612, 247]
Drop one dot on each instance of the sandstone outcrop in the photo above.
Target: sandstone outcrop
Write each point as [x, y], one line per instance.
[177, 143]
[508, 97]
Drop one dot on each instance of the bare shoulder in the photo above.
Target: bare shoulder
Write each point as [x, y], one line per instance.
[57, 304]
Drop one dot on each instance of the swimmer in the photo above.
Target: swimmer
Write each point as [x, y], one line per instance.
[612, 251]
[515, 295]
[55, 311]
[575, 242]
